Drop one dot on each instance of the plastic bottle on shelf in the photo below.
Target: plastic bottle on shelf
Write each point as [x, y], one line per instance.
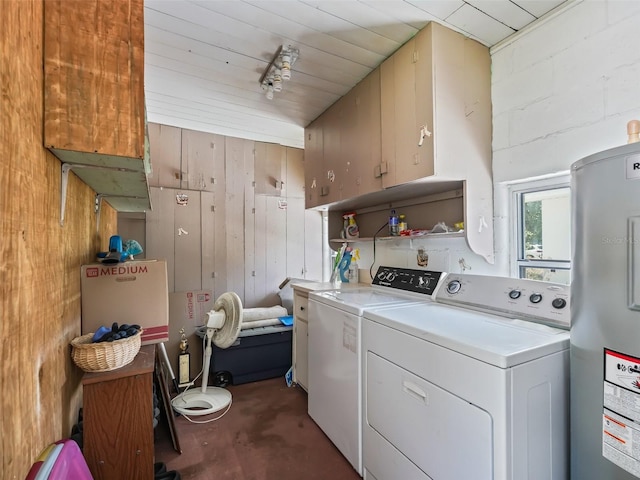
[393, 224]
[402, 224]
[354, 272]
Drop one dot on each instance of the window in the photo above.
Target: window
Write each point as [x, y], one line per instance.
[542, 234]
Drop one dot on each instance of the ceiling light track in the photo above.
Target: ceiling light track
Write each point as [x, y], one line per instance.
[278, 70]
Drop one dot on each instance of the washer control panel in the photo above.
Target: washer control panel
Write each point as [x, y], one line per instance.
[532, 300]
[407, 279]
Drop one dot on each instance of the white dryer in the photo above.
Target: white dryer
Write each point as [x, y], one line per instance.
[335, 317]
[473, 386]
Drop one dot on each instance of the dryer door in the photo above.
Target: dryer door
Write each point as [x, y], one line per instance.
[446, 437]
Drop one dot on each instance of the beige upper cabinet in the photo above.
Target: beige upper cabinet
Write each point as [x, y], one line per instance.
[406, 106]
[270, 168]
[437, 84]
[342, 146]
[424, 115]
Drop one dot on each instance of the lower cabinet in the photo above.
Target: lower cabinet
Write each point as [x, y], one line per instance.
[118, 420]
[300, 358]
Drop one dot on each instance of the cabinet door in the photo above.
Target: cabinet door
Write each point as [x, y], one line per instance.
[302, 355]
[397, 90]
[269, 164]
[313, 162]
[424, 159]
[201, 151]
[332, 178]
[300, 339]
[118, 413]
[165, 143]
[406, 106]
[94, 79]
[351, 153]
[294, 177]
[173, 233]
[159, 234]
[367, 135]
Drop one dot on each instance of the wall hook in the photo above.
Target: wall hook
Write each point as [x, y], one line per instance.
[424, 132]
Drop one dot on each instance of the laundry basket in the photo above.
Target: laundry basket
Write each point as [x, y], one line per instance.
[104, 356]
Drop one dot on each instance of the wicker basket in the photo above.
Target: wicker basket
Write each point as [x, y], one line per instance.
[104, 356]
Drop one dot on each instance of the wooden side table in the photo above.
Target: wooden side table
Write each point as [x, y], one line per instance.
[118, 420]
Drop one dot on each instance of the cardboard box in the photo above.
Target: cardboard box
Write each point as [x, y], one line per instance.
[133, 292]
[187, 310]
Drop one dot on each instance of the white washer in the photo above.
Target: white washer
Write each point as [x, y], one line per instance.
[334, 400]
[454, 392]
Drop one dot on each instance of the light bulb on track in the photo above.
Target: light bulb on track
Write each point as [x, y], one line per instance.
[278, 70]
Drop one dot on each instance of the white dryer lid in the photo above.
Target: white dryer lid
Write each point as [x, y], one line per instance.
[500, 341]
[355, 300]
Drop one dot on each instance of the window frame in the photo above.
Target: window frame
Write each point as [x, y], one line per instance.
[517, 190]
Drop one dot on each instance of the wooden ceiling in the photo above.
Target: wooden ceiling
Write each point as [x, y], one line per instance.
[204, 59]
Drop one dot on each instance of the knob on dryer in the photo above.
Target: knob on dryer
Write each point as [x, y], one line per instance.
[454, 286]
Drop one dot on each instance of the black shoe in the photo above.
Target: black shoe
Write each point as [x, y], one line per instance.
[170, 475]
[158, 468]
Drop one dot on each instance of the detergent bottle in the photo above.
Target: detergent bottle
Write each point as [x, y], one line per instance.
[344, 264]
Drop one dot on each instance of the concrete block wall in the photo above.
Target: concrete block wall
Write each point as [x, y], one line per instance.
[561, 90]
[565, 89]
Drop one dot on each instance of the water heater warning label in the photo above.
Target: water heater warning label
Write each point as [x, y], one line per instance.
[621, 412]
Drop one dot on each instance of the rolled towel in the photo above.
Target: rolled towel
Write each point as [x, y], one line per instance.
[261, 323]
[263, 313]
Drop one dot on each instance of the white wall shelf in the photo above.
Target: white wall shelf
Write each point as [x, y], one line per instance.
[459, 233]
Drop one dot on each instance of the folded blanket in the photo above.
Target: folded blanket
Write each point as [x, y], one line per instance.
[260, 323]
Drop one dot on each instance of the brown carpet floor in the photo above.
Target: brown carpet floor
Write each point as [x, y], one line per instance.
[266, 435]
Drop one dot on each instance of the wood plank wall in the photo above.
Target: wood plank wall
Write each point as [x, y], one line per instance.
[39, 259]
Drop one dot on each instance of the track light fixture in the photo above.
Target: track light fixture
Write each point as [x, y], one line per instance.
[278, 70]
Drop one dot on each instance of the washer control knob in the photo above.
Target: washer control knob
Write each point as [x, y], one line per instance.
[423, 282]
[514, 294]
[454, 286]
[559, 303]
[535, 298]
[392, 276]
